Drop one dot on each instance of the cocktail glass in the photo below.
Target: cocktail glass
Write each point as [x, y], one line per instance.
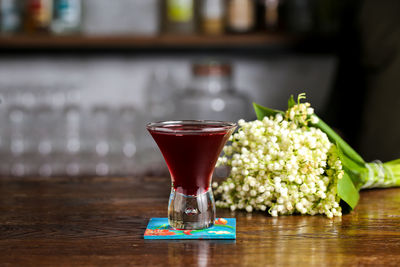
[191, 149]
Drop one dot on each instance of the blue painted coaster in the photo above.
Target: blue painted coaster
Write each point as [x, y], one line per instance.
[158, 228]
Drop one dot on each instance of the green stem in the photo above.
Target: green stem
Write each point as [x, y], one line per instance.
[382, 175]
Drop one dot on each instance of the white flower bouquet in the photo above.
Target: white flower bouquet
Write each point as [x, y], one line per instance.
[292, 162]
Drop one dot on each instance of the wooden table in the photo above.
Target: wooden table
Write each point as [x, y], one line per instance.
[100, 221]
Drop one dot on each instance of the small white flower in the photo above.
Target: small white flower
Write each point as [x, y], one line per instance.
[299, 206]
[279, 118]
[289, 206]
[249, 208]
[314, 119]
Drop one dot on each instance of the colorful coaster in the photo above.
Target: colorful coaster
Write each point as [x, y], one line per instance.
[158, 228]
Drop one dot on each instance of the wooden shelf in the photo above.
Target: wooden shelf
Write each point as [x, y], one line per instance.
[23, 42]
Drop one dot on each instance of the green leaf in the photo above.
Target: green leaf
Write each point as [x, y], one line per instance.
[262, 112]
[291, 102]
[335, 138]
[353, 169]
[349, 163]
[347, 192]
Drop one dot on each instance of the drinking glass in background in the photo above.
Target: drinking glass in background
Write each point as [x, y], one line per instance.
[212, 95]
[20, 143]
[160, 95]
[110, 140]
[28, 130]
[86, 146]
[122, 139]
[70, 141]
[50, 127]
[100, 146]
[45, 118]
[47, 131]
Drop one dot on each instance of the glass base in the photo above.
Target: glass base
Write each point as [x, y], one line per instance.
[191, 212]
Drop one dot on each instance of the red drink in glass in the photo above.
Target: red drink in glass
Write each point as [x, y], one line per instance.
[191, 149]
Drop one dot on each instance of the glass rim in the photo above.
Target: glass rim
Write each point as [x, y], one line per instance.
[218, 126]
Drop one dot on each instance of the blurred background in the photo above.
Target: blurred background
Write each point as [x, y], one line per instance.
[79, 79]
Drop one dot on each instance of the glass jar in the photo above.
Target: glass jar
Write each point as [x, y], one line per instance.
[211, 95]
[160, 95]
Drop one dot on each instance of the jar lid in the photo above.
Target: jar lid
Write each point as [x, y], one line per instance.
[212, 68]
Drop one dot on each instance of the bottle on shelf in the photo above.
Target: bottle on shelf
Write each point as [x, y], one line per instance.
[67, 16]
[10, 16]
[38, 16]
[212, 17]
[211, 94]
[240, 16]
[180, 16]
[271, 14]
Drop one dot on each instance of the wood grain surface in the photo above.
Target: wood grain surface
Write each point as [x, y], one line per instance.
[100, 222]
